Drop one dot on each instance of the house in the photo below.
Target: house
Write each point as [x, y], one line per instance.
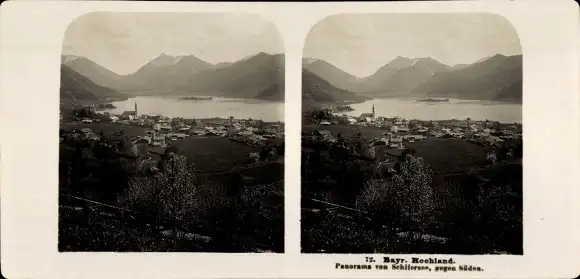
[255, 156]
[323, 132]
[158, 140]
[386, 168]
[86, 132]
[413, 138]
[379, 142]
[365, 117]
[130, 115]
[171, 136]
[325, 123]
[200, 132]
[422, 131]
[144, 139]
[197, 123]
[87, 121]
[245, 133]
[351, 121]
[396, 142]
[403, 129]
[120, 141]
[393, 154]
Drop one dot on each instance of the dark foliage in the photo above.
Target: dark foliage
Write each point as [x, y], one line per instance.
[477, 210]
[248, 219]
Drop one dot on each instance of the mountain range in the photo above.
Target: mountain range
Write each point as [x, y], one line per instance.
[259, 76]
[497, 78]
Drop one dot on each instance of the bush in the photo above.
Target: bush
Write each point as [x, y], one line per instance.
[403, 201]
[500, 219]
[169, 194]
[316, 115]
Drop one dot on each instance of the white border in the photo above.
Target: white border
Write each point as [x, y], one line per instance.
[31, 43]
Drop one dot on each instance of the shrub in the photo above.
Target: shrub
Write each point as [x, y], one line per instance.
[500, 218]
[405, 200]
[171, 192]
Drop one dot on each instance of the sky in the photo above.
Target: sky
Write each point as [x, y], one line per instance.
[361, 43]
[123, 42]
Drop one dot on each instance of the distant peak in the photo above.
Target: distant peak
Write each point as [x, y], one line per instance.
[189, 56]
[401, 58]
[308, 61]
[424, 59]
[67, 58]
[163, 56]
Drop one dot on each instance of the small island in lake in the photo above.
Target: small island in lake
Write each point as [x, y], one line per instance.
[105, 106]
[431, 100]
[196, 98]
[342, 109]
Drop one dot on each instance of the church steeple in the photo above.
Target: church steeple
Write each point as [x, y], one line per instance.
[136, 115]
[373, 110]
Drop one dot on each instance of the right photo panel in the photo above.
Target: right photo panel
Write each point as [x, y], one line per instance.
[412, 135]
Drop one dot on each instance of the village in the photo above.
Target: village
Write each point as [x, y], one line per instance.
[159, 132]
[400, 131]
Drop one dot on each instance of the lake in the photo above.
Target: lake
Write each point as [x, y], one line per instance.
[454, 109]
[217, 107]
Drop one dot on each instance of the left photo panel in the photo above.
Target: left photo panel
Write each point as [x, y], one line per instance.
[171, 134]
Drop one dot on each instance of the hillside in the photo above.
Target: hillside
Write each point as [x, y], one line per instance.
[273, 93]
[162, 74]
[76, 87]
[496, 78]
[258, 76]
[317, 90]
[403, 74]
[331, 73]
[95, 72]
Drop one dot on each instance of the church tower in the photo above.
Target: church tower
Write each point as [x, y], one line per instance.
[136, 115]
[373, 110]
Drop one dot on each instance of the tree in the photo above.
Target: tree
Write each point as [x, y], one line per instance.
[171, 192]
[500, 218]
[405, 200]
[177, 195]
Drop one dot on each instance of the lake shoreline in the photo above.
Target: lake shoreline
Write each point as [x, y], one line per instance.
[217, 107]
[411, 108]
